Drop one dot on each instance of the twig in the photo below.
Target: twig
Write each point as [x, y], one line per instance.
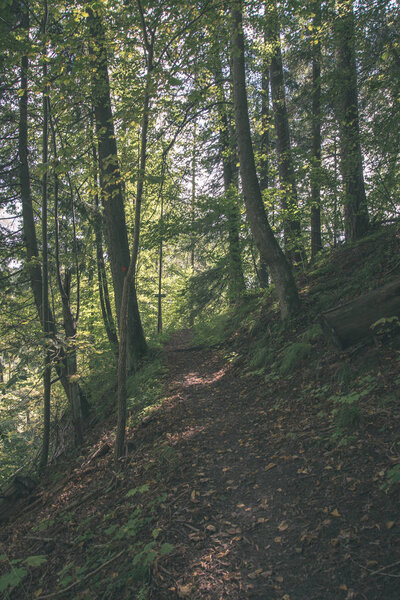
[47, 539]
[83, 579]
[387, 567]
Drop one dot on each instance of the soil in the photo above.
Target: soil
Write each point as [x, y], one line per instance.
[255, 501]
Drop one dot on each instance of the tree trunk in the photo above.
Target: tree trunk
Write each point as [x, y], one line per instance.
[112, 193]
[291, 223]
[316, 239]
[267, 245]
[229, 160]
[355, 202]
[45, 268]
[69, 321]
[265, 149]
[29, 231]
[131, 273]
[105, 304]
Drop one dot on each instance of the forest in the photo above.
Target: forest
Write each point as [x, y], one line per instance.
[200, 299]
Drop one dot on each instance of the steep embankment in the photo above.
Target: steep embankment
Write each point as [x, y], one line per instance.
[271, 485]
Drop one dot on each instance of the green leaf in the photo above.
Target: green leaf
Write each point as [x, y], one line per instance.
[35, 561]
[9, 581]
[166, 548]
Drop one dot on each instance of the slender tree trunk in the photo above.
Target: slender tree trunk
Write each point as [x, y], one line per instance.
[193, 195]
[45, 270]
[229, 160]
[105, 304]
[291, 223]
[70, 321]
[160, 264]
[261, 230]
[112, 191]
[355, 202]
[131, 273]
[316, 239]
[265, 149]
[29, 231]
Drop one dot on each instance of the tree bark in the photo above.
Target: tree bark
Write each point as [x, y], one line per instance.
[355, 202]
[112, 192]
[267, 245]
[316, 239]
[287, 178]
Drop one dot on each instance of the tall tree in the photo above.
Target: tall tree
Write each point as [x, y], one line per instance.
[228, 155]
[316, 240]
[112, 191]
[268, 247]
[45, 262]
[29, 231]
[355, 202]
[289, 203]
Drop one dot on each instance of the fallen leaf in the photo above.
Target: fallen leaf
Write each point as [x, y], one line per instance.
[283, 526]
[343, 587]
[185, 590]
[270, 466]
[210, 528]
[335, 513]
[390, 524]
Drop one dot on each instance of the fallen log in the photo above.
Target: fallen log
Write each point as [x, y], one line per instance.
[350, 323]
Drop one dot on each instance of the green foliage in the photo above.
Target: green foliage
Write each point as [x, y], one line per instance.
[392, 478]
[145, 388]
[293, 355]
[313, 333]
[213, 329]
[10, 580]
[140, 490]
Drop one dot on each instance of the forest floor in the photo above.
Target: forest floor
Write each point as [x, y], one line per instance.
[228, 491]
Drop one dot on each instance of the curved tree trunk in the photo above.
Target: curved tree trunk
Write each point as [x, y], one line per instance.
[268, 247]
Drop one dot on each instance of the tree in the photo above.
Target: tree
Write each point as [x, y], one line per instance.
[267, 245]
[316, 240]
[111, 185]
[287, 176]
[355, 202]
[32, 253]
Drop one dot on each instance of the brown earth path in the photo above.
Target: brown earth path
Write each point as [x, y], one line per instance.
[255, 514]
[254, 505]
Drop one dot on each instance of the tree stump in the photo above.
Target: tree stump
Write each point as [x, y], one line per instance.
[350, 323]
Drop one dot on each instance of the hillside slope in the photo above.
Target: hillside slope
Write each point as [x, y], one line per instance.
[268, 470]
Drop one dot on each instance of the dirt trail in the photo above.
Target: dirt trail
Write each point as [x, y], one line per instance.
[254, 513]
[255, 506]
